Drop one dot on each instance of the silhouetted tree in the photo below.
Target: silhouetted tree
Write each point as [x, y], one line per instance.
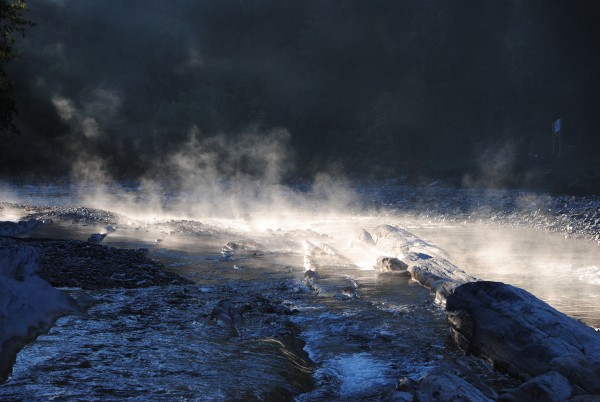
[12, 23]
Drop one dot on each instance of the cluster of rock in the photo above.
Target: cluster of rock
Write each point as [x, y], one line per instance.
[556, 356]
[31, 269]
[574, 216]
[72, 214]
[317, 255]
[85, 265]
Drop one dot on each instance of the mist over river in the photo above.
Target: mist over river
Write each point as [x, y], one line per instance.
[251, 324]
[299, 200]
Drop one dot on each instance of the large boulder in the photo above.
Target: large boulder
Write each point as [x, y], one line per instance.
[523, 335]
[28, 304]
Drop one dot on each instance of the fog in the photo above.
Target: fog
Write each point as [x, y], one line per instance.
[465, 90]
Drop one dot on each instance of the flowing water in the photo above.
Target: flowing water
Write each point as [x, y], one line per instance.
[250, 328]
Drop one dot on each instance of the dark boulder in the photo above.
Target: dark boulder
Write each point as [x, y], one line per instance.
[523, 335]
[549, 387]
[447, 387]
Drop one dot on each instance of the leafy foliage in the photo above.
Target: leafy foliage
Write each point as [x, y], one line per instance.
[12, 23]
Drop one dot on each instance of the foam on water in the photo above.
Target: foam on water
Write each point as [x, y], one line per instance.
[359, 371]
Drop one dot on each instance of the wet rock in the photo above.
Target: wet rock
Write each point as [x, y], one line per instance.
[585, 398]
[242, 248]
[550, 387]
[522, 335]
[474, 370]
[402, 396]
[75, 215]
[350, 292]
[407, 385]
[462, 379]
[228, 315]
[248, 245]
[96, 237]
[85, 301]
[18, 228]
[391, 264]
[28, 304]
[446, 387]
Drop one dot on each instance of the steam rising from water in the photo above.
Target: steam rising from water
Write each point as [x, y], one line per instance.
[562, 272]
[216, 178]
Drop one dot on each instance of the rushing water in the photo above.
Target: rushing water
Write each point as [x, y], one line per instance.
[350, 336]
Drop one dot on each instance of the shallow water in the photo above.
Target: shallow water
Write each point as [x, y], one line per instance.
[293, 342]
[350, 337]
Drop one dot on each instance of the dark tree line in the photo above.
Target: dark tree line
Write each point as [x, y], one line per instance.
[13, 22]
[420, 88]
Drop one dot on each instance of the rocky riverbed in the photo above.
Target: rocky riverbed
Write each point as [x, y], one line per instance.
[548, 354]
[86, 265]
[573, 216]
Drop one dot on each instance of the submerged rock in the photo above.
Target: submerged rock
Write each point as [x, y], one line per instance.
[244, 247]
[398, 242]
[228, 315]
[350, 292]
[363, 237]
[96, 237]
[522, 335]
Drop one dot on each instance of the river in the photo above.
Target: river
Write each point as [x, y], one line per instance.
[350, 336]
